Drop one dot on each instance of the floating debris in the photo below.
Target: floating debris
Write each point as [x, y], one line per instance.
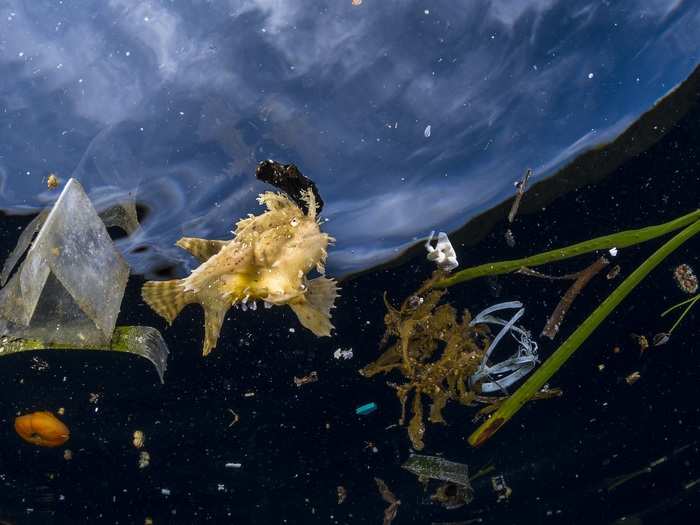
[388, 496]
[310, 378]
[342, 494]
[661, 338]
[94, 398]
[510, 238]
[233, 465]
[551, 328]
[356, 2]
[443, 254]
[642, 341]
[501, 488]
[519, 191]
[139, 438]
[144, 459]
[68, 454]
[289, 179]
[235, 418]
[42, 429]
[614, 272]
[343, 354]
[366, 409]
[686, 279]
[67, 292]
[633, 378]
[456, 490]
[427, 131]
[52, 181]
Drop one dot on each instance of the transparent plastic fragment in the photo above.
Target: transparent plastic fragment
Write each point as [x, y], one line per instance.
[144, 341]
[81, 301]
[434, 467]
[500, 376]
[122, 215]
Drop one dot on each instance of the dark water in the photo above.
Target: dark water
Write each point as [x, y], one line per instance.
[296, 445]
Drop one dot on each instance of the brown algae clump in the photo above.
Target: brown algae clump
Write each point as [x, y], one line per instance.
[435, 352]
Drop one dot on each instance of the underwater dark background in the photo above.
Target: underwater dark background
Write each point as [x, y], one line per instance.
[296, 445]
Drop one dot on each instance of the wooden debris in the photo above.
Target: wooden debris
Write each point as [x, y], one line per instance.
[342, 494]
[519, 191]
[582, 278]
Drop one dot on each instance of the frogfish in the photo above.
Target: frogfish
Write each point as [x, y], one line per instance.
[268, 259]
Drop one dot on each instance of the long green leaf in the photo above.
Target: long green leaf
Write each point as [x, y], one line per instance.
[537, 380]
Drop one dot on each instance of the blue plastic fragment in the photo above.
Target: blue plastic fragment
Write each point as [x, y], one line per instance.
[366, 409]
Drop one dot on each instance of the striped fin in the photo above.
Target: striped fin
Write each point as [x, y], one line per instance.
[213, 319]
[314, 308]
[202, 249]
[167, 298]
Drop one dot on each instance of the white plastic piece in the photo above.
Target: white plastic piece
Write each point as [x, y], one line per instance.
[443, 254]
[502, 375]
[613, 251]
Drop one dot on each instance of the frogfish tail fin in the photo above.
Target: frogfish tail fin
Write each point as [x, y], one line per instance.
[213, 319]
[167, 298]
[314, 308]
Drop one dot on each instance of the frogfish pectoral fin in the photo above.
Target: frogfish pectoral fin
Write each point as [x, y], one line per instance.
[202, 249]
[314, 308]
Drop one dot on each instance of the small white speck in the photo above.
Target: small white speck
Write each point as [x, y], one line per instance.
[146, 19]
[21, 54]
[128, 53]
[426, 12]
[165, 492]
[182, 113]
[140, 129]
[613, 251]
[292, 330]
[59, 66]
[590, 75]
[427, 131]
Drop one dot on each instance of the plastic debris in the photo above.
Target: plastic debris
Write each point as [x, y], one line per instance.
[233, 465]
[442, 253]
[366, 409]
[310, 378]
[388, 496]
[661, 338]
[434, 467]
[144, 459]
[343, 354]
[139, 438]
[427, 131]
[500, 376]
[67, 292]
[502, 490]
[633, 378]
[456, 489]
[342, 494]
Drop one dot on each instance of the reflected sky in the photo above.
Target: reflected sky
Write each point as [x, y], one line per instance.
[176, 102]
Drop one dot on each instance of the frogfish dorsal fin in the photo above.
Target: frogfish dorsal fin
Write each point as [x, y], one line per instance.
[314, 308]
[202, 249]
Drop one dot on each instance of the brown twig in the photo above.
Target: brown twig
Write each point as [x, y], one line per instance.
[552, 327]
[520, 190]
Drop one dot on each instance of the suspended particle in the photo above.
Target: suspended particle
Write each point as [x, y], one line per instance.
[144, 459]
[686, 278]
[52, 181]
[427, 131]
[356, 2]
[633, 378]
[614, 272]
[139, 438]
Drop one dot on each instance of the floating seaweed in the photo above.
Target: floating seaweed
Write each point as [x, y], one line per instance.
[388, 496]
[440, 357]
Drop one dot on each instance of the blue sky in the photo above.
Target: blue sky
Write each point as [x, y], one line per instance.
[176, 102]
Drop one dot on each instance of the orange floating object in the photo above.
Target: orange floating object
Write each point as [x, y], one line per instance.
[42, 428]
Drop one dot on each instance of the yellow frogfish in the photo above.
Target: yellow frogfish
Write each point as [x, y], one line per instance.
[268, 259]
